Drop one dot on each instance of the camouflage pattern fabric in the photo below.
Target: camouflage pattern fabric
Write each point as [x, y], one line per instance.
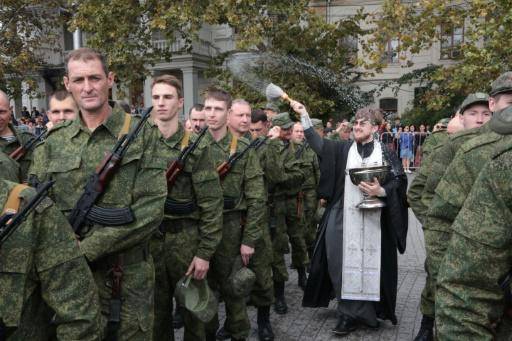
[469, 302]
[42, 273]
[243, 184]
[183, 236]
[69, 155]
[310, 197]
[22, 137]
[440, 157]
[9, 169]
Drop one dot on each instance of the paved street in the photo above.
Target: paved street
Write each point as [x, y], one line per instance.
[316, 324]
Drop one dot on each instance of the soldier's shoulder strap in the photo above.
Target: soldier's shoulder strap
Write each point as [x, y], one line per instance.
[502, 150]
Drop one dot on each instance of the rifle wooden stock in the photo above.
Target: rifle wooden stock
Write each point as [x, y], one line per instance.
[18, 153]
[22, 150]
[172, 172]
[223, 169]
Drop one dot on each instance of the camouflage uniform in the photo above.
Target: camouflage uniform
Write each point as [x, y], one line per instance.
[417, 187]
[244, 198]
[9, 169]
[310, 197]
[22, 137]
[69, 155]
[469, 302]
[42, 273]
[192, 226]
[441, 157]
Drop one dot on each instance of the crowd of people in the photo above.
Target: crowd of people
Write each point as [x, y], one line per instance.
[136, 210]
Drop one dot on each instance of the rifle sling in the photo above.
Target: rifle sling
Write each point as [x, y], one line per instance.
[14, 201]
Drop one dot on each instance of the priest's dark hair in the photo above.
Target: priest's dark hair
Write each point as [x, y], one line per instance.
[373, 115]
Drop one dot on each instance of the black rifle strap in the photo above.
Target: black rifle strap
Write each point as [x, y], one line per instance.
[114, 319]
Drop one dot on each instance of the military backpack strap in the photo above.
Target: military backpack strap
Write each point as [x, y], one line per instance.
[13, 202]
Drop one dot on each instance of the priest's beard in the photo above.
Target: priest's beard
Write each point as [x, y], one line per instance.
[362, 137]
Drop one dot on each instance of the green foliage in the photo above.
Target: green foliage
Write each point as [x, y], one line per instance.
[484, 53]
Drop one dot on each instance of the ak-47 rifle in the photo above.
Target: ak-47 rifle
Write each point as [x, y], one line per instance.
[99, 180]
[175, 168]
[224, 168]
[22, 150]
[9, 222]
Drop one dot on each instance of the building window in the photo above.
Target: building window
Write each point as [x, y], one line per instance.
[68, 39]
[451, 41]
[389, 106]
[391, 52]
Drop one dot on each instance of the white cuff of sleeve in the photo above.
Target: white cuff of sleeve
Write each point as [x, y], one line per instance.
[382, 192]
[306, 121]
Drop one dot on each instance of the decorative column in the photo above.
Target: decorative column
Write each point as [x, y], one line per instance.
[190, 84]
[147, 91]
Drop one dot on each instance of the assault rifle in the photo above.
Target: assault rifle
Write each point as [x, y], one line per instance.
[99, 180]
[22, 150]
[224, 168]
[175, 168]
[9, 222]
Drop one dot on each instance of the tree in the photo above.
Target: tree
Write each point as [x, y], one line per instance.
[483, 54]
[25, 27]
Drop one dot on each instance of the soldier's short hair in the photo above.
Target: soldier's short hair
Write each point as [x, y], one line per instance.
[218, 95]
[86, 54]
[373, 115]
[171, 81]
[258, 115]
[60, 95]
[196, 107]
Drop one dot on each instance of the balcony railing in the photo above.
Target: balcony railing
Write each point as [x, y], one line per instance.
[201, 47]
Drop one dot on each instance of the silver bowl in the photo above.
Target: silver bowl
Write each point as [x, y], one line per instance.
[367, 174]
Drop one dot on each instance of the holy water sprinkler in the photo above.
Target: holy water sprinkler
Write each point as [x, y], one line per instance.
[274, 92]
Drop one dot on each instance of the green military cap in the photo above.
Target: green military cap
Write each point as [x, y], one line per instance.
[501, 121]
[197, 297]
[317, 123]
[241, 279]
[282, 120]
[271, 106]
[444, 122]
[502, 84]
[475, 98]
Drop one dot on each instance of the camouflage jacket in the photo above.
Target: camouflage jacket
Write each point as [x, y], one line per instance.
[469, 301]
[455, 185]
[9, 169]
[288, 153]
[41, 263]
[435, 139]
[243, 184]
[441, 158]
[197, 185]
[22, 137]
[418, 204]
[70, 154]
[312, 172]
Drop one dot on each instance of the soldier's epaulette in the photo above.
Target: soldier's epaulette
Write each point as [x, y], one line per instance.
[479, 141]
[59, 126]
[502, 150]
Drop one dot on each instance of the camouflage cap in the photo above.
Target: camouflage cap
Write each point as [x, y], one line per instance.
[282, 120]
[475, 98]
[501, 121]
[502, 84]
[197, 297]
[271, 106]
[241, 280]
[317, 123]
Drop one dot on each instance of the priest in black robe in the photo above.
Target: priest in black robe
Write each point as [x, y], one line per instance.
[325, 278]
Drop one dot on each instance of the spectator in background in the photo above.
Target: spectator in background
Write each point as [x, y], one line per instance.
[419, 139]
[34, 112]
[406, 148]
[24, 112]
[396, 139]
[386, 136]
[397, 125]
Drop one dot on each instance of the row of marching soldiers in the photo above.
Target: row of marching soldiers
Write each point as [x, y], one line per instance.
[124, 212]
[462, 196]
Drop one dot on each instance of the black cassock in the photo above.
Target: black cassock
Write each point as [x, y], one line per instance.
[394, 223]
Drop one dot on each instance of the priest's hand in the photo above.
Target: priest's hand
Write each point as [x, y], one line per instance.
[299, 108]
[373, 189]
[274, 132]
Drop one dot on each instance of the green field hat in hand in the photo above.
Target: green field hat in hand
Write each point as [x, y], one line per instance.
[241, 279]
[197, 297]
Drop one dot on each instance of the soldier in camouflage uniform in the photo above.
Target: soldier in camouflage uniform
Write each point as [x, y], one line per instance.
[244, 211]
[474, 112]
[469, 301]
[192, 225]
[70, 155]
[11, 137]
[9, 168]
[308, 189]
[44, 274]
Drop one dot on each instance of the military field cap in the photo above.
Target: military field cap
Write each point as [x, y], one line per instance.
[282, 120]
[502, 84]
[317, 123]
[241, 279]
[501, 121]
[197, 297]
[476, 98]
[444, 122]
[271, 106]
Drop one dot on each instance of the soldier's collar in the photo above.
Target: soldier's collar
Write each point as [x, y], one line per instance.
[113, 124]
[175, 140]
